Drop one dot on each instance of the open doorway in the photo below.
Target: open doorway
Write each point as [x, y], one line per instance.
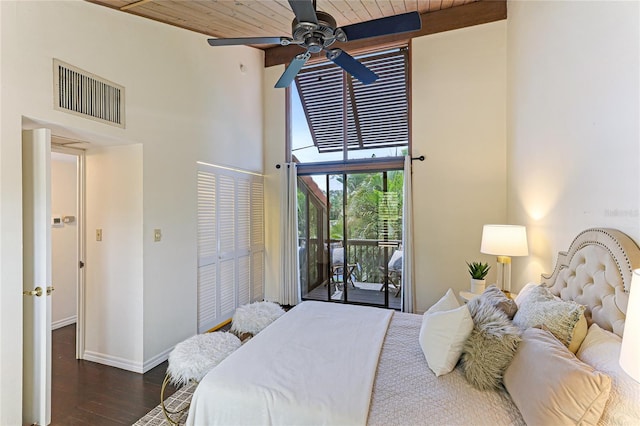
[67, 240]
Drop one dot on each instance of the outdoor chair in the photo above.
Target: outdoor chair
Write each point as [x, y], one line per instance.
[340, 273]
[393, 272]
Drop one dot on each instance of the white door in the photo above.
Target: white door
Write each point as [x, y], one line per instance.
[36, 207]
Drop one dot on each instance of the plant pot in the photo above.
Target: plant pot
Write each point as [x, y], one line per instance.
[477, 286]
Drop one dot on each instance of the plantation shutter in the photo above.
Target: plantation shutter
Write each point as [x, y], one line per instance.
[257, 239]
[243, 221]
[207, 249]
[230, 243]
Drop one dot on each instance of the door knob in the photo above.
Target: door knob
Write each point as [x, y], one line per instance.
[35, 292]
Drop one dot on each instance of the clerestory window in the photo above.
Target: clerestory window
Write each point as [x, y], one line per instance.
[335, 117]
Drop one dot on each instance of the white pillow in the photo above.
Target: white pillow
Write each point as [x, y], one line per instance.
[446, 303]
[601, 350]
[445, 328]
[523, 293]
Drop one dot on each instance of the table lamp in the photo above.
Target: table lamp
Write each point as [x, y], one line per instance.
[630, 350]
[504, 241]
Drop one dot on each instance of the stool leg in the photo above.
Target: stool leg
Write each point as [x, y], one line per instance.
[168, 413]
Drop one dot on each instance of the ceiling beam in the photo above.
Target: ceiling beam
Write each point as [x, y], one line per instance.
[135, 4]
[476, 13]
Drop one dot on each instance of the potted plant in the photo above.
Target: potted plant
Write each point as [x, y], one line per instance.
[478, 272]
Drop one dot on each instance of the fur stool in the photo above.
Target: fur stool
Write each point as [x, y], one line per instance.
[254, 317]
[192, 359]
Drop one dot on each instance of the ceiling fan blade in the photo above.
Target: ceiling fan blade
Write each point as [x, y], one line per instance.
[304, 10]
[284, 41]
[383, 26]
[292, 70]
[351, 65]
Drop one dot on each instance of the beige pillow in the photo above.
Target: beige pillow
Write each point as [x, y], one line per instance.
[579, 333]
[565, 319]
[550, 386]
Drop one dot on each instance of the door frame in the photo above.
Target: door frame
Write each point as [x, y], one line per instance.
[81, 242]
[344, 170]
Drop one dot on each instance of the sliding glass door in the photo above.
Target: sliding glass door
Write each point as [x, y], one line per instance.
[350, 228]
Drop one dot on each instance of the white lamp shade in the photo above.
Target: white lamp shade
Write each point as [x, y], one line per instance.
[504, 240]
[630, 351]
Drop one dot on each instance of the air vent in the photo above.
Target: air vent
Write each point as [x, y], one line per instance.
[82, 93]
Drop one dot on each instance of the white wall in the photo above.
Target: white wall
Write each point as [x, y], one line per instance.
[186, 102]
[574, 142]
[10, 234]
[458, 123]
[114, 294]
[64, 240]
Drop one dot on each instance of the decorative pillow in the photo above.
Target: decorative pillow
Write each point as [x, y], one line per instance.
[523, 293]
[494, 296]
[490, 346]
[550, 386]
[446, 303]
[565, 319]
[601, 350]
[445, 328]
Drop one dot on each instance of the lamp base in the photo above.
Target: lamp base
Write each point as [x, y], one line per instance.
[504, 273]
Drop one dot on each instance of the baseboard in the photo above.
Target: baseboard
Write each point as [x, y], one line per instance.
[113, 361]
[157, 360]
[64, 322]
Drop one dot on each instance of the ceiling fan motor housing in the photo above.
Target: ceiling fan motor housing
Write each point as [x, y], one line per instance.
[315, 37]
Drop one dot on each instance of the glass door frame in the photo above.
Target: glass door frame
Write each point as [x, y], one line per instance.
[344, 169]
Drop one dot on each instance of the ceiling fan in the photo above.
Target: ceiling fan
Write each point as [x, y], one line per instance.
[316, 31]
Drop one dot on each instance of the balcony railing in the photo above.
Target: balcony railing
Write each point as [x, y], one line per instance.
[370, 256]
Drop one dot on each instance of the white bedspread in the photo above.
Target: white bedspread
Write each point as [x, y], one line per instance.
[314, 365]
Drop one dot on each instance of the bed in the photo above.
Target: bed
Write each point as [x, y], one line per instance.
[325, 363]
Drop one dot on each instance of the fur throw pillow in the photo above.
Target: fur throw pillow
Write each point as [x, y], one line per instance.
[494, 296]
[254, 317]
[491, 346]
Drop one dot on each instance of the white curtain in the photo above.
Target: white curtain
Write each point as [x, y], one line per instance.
[407, 301]
[290, 286]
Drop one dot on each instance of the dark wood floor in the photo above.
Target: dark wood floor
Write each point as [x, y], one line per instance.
[87, 393]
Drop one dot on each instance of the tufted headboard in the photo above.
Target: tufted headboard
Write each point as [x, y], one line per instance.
[596, 272]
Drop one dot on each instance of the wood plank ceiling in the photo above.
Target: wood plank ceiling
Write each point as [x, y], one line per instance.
[246, 18]
[264, 18]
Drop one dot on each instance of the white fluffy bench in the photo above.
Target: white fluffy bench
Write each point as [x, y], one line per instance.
[192, 359]
[254, 317]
